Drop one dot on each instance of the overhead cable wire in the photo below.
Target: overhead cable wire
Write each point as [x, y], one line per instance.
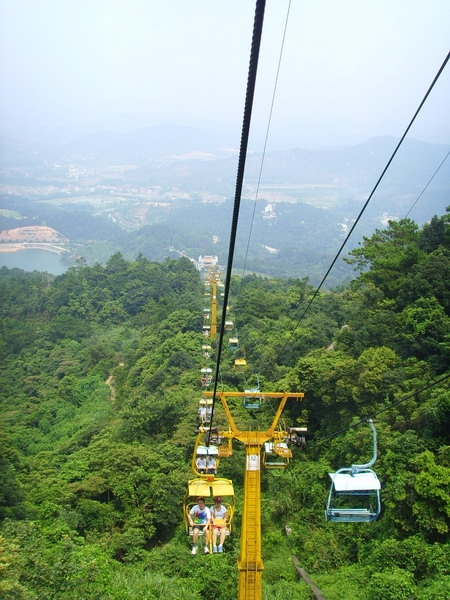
[251, 82]
[266, 139]
[380, 178]
[385, 409]
[269, 122]
[430, 180]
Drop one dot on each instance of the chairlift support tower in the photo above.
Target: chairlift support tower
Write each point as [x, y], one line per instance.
[250, 564]
[213, 281]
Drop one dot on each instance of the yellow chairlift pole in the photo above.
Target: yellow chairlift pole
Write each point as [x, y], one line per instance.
[250, 562]
[213, 283]
[214, 310]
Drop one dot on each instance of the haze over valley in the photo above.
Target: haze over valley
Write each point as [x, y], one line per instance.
[166, 191]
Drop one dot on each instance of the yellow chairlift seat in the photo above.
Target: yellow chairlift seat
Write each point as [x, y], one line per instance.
[201, 488]
[276, 455]
[206, 378]
[205, 401]
[206, 451]
[228, 325]
[240, 362]
[206, 445]
[225, 447]
[205, 411]
[216, 438]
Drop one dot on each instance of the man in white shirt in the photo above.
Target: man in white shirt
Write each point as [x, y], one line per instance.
[199, 519]
[200, 463]
[211, 465]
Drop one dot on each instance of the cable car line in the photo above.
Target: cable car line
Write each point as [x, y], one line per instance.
[366, 203]
[249, 96]
[269, 122]
[379, 412]
[274, 439]
[429, 181]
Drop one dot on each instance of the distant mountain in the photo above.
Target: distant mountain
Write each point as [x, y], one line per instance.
[144, 145]
[163, 146]
[15, 153]
[130, 148]
[358, 164]
[307, 200]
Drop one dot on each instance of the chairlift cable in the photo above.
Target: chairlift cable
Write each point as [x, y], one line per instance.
[269, 122]
[429, 181]
[380, 178]
[386, 409]
[248, 106]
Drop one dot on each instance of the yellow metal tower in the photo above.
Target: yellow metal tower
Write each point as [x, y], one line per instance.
[213, 280]
[250, 562]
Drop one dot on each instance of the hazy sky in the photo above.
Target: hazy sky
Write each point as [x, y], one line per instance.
[351, 69]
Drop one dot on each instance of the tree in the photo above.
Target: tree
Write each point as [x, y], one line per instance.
[386, 257]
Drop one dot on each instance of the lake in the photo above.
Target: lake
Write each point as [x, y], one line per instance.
[33, 260]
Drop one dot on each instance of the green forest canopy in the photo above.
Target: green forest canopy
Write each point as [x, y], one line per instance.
[100, 389]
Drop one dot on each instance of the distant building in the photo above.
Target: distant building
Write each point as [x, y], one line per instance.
[207, 262]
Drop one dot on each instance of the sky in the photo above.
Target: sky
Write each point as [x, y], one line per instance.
[349, 70]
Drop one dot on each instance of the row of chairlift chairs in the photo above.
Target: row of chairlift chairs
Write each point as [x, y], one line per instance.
[277, 453]
[354, 494]
[209, 444]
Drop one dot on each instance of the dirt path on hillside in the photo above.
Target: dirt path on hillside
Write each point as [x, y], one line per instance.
[110, 383]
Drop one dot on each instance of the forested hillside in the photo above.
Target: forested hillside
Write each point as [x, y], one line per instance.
[100, 384]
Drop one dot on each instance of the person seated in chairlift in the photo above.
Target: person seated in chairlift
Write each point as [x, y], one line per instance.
[218, 519]
[200, 463]
[211, 465]
[202, 414]
[199, 519]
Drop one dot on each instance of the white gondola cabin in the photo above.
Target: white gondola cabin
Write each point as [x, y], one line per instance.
[354, 497]
[253, 400]
[233, 343]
